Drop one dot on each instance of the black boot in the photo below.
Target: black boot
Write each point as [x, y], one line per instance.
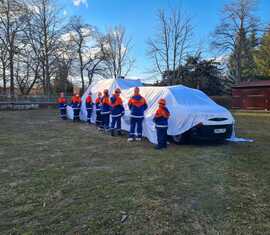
[119, 133]
[158, 147]
[112, 132]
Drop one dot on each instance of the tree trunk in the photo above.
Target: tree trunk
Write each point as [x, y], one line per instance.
[238, 63]
[81, 69]
[11, 71]
[4, 80]
[44, 79]
[238, 69]
[47, 73]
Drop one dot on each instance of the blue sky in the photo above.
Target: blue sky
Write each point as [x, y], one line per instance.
[139, 19]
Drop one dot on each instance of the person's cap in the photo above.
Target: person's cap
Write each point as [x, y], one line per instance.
[136, 89]
[162, 101]
[117, 90]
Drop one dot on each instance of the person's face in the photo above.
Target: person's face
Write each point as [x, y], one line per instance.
[136, 91]
[62, 94]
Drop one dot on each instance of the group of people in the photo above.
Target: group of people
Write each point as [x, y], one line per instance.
[111, 108]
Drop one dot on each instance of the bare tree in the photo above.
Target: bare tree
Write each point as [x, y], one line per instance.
[116, 51]
[171, 43]
[28, 69]
[97, 65]
[93, 51]
[81, 35]
[12, 22]
[66, 56]
[231, 35]
[28, 57]
[44, 31]
[3, 66]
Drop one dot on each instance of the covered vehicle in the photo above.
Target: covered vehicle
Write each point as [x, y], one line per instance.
[193, 113]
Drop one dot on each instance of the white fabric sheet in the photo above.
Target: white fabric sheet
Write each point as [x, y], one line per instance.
[188, 107]
[239, 140]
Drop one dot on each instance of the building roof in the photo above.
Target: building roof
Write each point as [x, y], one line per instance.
[259, 83]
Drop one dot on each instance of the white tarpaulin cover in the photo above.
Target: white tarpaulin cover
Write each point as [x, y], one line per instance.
[188, 107]
[111, 85]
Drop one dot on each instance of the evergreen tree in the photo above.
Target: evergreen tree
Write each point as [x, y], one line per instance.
[262, 57]
[197, 73]
[247, 65]
[235, 35]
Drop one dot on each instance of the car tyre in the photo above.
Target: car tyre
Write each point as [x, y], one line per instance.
[178, 139]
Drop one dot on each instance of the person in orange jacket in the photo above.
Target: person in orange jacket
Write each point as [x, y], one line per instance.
[137, 105]
[105, 110]
[117, 111]
[98, 110]
[76, 103]
[161, 123]
[89, 107]
[62, 105]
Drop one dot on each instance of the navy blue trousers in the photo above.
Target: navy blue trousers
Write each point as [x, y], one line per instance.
[116, 121]
[105, 121]
[63, 113]
[76, 114]
[135, 127]
[89, 115]
[98, 119]
[162, 136]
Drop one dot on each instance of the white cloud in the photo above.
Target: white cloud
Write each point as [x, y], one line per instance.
[80, 2]
[65, 13]
[222, 59]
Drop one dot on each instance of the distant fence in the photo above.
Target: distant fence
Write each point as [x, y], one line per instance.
[35, 102]
[36, 99]
[27, 102]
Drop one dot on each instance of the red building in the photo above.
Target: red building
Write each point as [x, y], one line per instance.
[253, 95]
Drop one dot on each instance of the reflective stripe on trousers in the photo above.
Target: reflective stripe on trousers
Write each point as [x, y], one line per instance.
[135, 123]
[116, 121]
[161, 126]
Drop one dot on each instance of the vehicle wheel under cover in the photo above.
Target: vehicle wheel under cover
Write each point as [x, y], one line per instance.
[178, 139]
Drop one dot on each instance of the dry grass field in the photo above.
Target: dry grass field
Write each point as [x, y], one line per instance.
[57, 177]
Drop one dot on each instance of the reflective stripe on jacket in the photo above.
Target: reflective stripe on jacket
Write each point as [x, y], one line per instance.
[161, 117]
[105, 104]
[62, 102]
[98, 103]
[117, 108]
[76, 102]
[137, 105]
